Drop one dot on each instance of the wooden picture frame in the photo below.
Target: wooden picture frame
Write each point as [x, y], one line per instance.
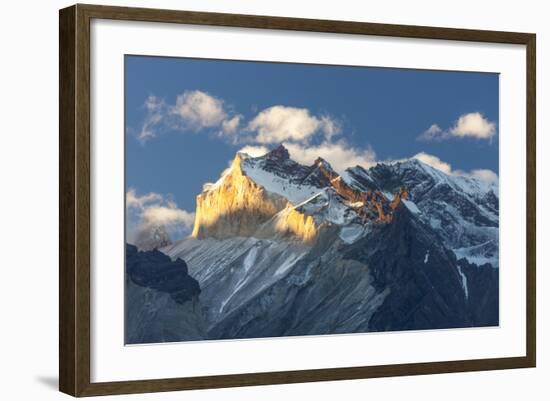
[74, 199]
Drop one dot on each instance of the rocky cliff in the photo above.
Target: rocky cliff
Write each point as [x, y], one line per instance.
[234, 206]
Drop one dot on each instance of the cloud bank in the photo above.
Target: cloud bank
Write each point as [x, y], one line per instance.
[470, 125]
[473, 125]
[280, 123]
[254, 150]
[434, 162]
[156, 111]
[305, 135]
[193, 111]
[485, 175]
[230, 126]
[154, 210]
[199, 110]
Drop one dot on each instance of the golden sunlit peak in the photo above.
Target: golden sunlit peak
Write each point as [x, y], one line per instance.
[236, 164]
[298, 224]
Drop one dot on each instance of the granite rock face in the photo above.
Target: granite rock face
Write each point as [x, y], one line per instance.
[235, 206]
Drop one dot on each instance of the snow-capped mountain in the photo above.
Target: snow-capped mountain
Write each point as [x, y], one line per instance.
[276, 192]
[464, 211]
[279, 248]
[273, 196]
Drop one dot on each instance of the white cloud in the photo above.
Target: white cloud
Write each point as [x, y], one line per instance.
[199, 109]
[231, 125]
[294, 127]
[281, 123]
[433, 133]
[153, 103]
[139, 202]
[434, 161]
[154, 210]
[156, 111]
[193, 111]
[329, 127]
[196, 110]
[339, 154]
[254, 151]
[167, 215]
[484, 175]
[472, 125]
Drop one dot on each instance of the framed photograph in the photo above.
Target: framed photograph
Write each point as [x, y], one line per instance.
[250, 200]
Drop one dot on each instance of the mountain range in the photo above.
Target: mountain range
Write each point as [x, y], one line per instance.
[281, 249]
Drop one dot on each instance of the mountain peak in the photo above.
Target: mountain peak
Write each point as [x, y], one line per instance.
[412, 162]
[325, 168]
[320, 162]
[280, 152]
[237, 163]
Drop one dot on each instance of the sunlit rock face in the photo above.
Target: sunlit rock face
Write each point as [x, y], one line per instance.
[235, 206]
[296, 224]
[274, 197]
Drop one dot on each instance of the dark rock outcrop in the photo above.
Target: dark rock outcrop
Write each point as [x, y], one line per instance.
[162, 302]
[155, 270]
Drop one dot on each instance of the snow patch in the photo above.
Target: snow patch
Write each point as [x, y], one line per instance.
[328, 206]
[250, 258]
[296, 194]
[411, 206]
[350, 234]
[476, 260]
[388, 195]
[464, 281]
[435, 223]
[479, 255]
[288, 263]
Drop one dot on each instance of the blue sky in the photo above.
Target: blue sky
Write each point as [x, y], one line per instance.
[186, 118]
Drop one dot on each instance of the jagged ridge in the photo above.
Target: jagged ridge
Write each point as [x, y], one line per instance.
[273, 196]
